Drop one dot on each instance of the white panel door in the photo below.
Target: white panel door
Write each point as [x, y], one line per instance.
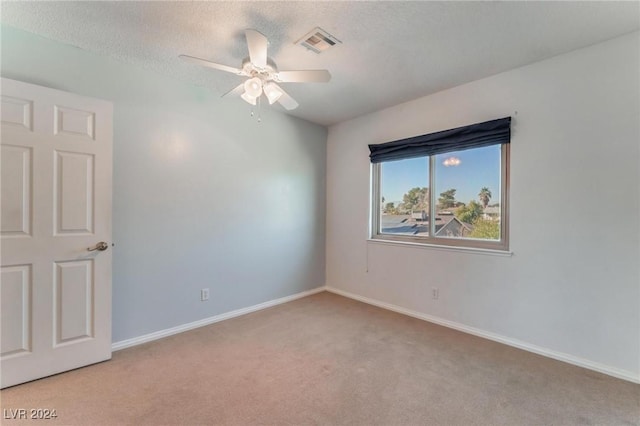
[55, 293]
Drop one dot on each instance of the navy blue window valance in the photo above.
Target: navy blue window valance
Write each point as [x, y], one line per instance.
[492, 132]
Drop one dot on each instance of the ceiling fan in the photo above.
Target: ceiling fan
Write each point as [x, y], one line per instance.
[262, 74]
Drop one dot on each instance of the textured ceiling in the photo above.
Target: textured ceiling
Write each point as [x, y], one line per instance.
[392, 51]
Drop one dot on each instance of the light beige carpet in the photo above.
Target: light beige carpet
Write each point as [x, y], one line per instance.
[329, 360]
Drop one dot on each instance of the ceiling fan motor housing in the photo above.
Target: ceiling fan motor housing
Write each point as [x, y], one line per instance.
[269, 72]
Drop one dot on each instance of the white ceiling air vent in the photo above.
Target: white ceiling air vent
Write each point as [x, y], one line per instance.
[318, 40]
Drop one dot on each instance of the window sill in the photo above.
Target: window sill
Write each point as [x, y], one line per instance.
[471, 250]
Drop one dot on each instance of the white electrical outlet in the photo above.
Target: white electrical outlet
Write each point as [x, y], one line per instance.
[435, 292]
[204, 294]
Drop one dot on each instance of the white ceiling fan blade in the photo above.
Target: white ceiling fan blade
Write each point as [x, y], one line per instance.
[287, 101]
[236, 91]
[303, 76]
[257, 44]
[210, 64]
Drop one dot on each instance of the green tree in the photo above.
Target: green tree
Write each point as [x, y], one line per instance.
[447, 199]
[390, 208]
[485, 229]
[470, 212]
[416, 199]
[484, 196]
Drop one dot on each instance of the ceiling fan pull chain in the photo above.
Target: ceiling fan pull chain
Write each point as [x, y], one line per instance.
[259, 110]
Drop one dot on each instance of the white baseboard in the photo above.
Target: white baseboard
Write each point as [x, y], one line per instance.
[560, 356]
[116, 346]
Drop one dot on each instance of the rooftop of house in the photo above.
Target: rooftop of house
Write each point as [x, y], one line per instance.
[405, 224]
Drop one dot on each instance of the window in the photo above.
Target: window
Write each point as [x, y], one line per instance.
[454, 195]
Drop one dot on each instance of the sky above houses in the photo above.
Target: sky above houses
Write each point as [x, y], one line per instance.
[466, 171]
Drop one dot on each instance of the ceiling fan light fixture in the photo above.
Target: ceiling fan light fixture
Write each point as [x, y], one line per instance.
[249, 99]
[253, 87]
[273, 92]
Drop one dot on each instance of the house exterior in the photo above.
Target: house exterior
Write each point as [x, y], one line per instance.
[454, 227]
[491, 213]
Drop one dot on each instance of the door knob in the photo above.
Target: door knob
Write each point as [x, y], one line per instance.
[102, 246]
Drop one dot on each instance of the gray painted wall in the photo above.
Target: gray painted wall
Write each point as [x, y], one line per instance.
[204, 196]
[572, 286]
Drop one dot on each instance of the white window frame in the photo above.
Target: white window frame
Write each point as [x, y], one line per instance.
[431, 239]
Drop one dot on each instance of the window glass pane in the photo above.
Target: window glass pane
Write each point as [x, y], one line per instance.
[404, 202]
[467, 185]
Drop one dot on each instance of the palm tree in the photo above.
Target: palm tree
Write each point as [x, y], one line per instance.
[485, 196]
